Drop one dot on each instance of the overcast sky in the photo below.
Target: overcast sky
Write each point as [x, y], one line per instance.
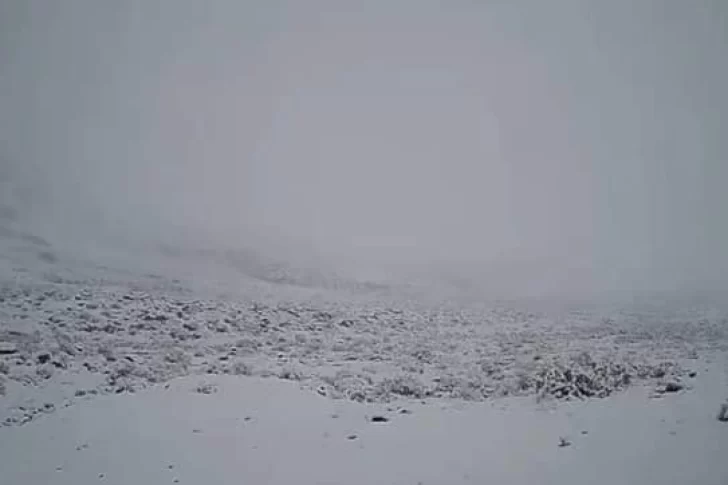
[587, 137]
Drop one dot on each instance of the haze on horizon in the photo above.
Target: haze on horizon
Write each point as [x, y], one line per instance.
[570, 143]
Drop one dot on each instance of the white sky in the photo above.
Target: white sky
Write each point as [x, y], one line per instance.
[586, 136]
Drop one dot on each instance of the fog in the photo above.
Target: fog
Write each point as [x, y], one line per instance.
[529, 145]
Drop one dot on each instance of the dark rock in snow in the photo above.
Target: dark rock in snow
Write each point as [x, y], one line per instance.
[206, 389]
[44, 357]
[156, 318]
[8, 348]
[723, 413]
[673, 387]
[658, 373]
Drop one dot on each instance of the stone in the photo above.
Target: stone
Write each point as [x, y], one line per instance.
[44, 357]
[723, 413]
[8, 348]
[673, 387]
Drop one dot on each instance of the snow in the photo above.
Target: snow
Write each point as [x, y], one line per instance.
[253, 430]
[139, 373]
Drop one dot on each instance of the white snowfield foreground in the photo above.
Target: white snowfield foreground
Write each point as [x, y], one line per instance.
[247, 430]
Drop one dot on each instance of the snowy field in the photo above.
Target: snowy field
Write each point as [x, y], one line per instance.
[363, 243]
[110, 374]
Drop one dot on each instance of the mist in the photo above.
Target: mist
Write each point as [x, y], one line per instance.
[528, 146]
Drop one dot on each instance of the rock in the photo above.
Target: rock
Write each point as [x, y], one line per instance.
[160, 317]
[44, 357]
[723, 413]
[8, 348]
[658, 373]
[673, 387]
[563, 442]
[206, 389]
[379, 419]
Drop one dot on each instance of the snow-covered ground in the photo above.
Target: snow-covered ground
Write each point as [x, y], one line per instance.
[266, 431]
[123, 374]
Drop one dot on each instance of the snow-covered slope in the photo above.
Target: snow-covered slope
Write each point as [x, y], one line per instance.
[223, 429]
[134, 366]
